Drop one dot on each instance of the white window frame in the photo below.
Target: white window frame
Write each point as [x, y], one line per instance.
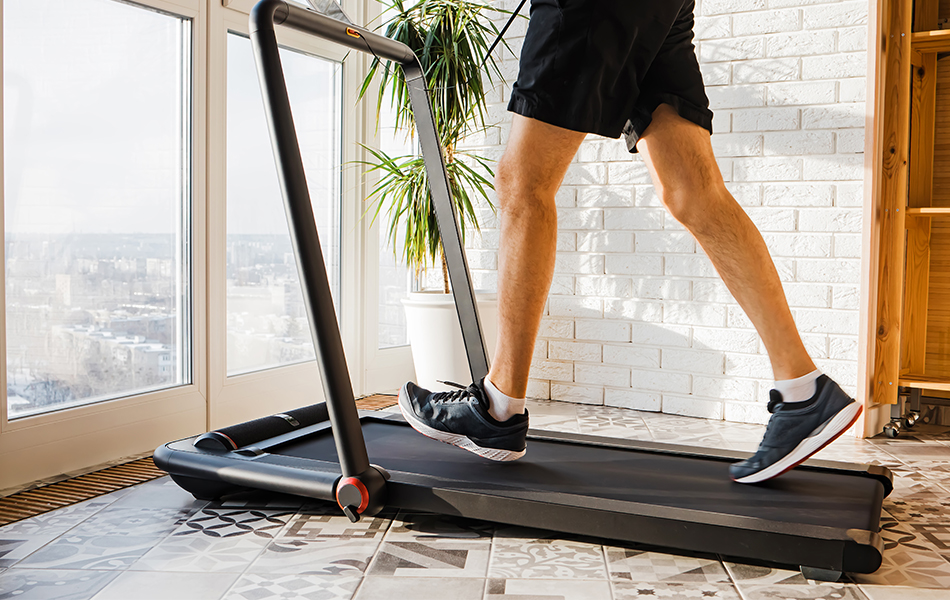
[77, 438]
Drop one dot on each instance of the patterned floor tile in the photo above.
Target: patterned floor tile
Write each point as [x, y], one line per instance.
[319, 556]
[141, 585]
[99, 552]
[762, 576]
[201, 554]
[909, 560]
[297, 587]
[636, 565]
[879, 592]
[829, 591]
[405, 588]
[546, 559]
[16, 548]
[592, 418]
[159, 493]
[53, 584]
[631, 590]
[327, 526]
[135, 522]
[916, 507]
[546, 589]
[257, 499]
[443, 558]
[419, 527]
[56, 521]
[562, 423]
[231, 523]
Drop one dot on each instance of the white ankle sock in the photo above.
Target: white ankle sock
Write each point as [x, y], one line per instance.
[800, 389]
[502, 407]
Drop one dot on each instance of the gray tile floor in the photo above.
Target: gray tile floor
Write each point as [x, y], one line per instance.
[153, 541]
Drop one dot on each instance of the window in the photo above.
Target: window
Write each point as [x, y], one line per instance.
[267, 321]
[97, 148]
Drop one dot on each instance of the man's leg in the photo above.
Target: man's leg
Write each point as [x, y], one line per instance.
[687, 178]
[488, 417]
[529, 175]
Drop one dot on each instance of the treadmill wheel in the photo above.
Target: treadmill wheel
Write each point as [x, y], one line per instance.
[202, 489]
[892, 429]
[820, 574]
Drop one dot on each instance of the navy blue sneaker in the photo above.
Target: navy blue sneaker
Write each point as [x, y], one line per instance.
[797, 430]
[461, 418]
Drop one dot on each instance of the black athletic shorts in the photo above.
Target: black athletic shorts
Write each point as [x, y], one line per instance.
[603, 66]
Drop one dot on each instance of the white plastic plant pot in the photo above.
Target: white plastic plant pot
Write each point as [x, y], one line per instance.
[436, 338]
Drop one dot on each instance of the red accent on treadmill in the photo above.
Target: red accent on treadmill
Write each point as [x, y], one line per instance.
[364, 493]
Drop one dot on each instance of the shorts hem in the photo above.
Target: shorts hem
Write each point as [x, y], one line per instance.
[638, 124]
[529, 108]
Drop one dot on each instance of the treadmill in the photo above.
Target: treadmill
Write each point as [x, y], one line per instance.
[822, 516]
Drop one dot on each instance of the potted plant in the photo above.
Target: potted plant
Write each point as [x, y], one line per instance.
[451, 39]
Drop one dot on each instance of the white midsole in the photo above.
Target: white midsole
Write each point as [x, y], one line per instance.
[808, 446]
[453, 438]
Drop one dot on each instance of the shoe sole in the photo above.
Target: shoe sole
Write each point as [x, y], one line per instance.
[810, 446]
[457, 440]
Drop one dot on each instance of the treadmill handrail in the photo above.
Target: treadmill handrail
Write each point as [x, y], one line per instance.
[324, 326]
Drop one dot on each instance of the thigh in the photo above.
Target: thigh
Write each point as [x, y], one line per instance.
[678, 153]
[538, 154]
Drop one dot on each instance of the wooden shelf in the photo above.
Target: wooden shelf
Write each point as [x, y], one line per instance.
[931, 41]
[925, 382]
[928, 211]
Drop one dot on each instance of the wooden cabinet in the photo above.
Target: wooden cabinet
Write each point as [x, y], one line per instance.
[912, 345]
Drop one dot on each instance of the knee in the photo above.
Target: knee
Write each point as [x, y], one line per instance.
[692, 204]
[524, 195]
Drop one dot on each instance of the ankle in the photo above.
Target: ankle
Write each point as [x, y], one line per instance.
[501, 406]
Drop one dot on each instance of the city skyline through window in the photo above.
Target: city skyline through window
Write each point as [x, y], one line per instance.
[96, 196]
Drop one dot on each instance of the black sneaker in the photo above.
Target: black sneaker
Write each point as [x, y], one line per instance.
[461, 418]
[797, 430]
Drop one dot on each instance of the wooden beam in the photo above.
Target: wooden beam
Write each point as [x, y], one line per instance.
[932, 41]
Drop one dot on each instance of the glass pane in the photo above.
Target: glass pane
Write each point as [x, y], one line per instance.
[394, 276]
[267, 322]
[96, 155]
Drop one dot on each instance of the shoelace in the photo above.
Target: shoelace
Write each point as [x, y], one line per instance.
[452, 396]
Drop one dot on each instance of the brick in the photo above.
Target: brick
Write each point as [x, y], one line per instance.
[586, 174]
[853, 39]
[844, 220]
[799, 194]
[827, 321]
[556, 328]
[610, 287]
[661, 289]
[632, 355]
[748, 365]
[577, 393]
[737, 144]
[576, 307]
[768, 169]
[633, 264]
[719, 7]
[482, 259]
[772, 219]
[647, 196]
[846, 297]
[635, 310]
[562, 285]
[767, 70]
[850, 195]
[737, 319]
[843, 348]
[807, 295]
[591, 264]
[633, 400]
[651, 334]
[835, 15]
[692, 361]
[799, 143]
[746, 194]
[766, 119]
[801, 92]
[694, 313]
[727, 388]
[716, 73]
[685, 265]
[665, 242]
[602, 375]
[852, 90]
[609, 196]
[712, 291]
[837, 168]
[835, 66]
[627, 173]
[798, 245]
[539, 390]
[746, 412]
[772, 21]
[601, 330]
[659, 381]
[815, 345]
[566, 241]
[736, 96]
[847, 245]
[727, 340]
[842, 270]
[722, 121]
[803, 43]
[580, 218]
[565, 197]
[690, 406]
[838, 116]
[850, 141]
[553, 370]
[710, 28]
[634, 218]
[605, 241]
[583, 351]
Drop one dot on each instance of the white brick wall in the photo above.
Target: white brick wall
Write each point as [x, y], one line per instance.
[637, 317]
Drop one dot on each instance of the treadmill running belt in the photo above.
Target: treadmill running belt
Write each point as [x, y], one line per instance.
[800, 496]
